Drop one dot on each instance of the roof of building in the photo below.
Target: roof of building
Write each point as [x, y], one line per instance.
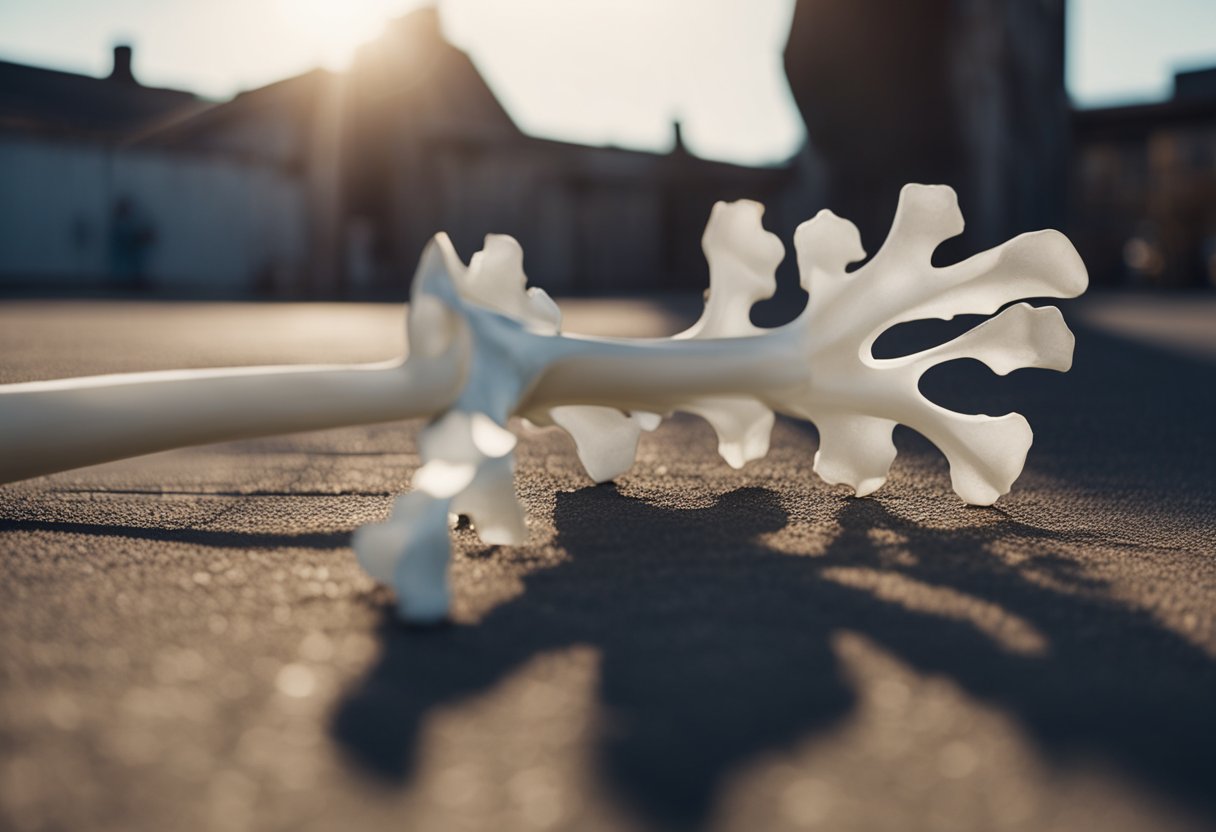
[52, 101]
[210, 127]
[410, 71]
[1193, 102]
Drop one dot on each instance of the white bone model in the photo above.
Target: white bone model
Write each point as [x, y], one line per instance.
[484, 348]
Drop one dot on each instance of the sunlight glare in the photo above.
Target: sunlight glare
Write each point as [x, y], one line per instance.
[334, 29]
[621, 71]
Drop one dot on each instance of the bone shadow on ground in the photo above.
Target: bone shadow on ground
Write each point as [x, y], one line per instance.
[218, 538]
[716, 648]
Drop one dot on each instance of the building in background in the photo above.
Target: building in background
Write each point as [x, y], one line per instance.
[968, 93]
[329, 184]
[1145, 188]
[435, 150]
[85, 207]
[972, 94]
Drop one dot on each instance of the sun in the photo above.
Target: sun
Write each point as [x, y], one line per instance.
[333, 29]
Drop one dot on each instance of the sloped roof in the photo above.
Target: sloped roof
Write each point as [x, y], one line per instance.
[50, 100]
[1193, 103]
[413, 67]
[291, 100]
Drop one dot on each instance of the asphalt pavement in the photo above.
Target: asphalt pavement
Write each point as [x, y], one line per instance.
[186, 642]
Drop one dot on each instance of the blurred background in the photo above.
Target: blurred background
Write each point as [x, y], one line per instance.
[308, 148]
[187, 641]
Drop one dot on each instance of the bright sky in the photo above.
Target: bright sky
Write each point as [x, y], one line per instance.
[596, 71]
[1121, 51]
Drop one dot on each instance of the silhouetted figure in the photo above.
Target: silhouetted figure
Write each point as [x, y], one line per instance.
[131, 237]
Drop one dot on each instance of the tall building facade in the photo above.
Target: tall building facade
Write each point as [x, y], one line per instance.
[1145, 188]
[968, 93]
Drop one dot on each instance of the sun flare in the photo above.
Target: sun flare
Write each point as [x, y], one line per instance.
[335, 29]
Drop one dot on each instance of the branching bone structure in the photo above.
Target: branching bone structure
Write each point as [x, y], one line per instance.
[484, 348]
[820, 367]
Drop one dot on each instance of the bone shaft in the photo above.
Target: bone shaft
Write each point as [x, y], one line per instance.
[657, 376]
[58, 425]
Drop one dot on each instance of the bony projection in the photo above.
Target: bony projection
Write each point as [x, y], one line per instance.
[484, 347]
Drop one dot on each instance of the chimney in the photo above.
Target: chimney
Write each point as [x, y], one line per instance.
[678, 147]
[122, 65]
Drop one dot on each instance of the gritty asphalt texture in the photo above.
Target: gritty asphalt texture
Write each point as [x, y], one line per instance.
[188, 644]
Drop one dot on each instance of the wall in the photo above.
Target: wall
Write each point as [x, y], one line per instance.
[219, 226]
[967, 93]
[1145, 196]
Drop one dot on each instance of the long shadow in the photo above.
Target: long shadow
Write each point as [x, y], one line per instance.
[716, 648]
[161, 492]
[200, 537]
